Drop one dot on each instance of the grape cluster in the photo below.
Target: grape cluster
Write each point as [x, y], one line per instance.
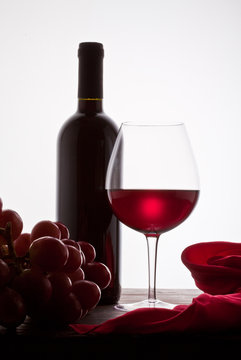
[46, 275]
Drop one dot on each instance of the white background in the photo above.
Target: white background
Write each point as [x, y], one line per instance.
[164, 59]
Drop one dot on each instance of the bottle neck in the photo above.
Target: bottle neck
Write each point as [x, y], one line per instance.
[90, 105]
[90, 86]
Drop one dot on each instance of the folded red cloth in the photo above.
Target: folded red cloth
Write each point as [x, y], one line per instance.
[215, 266]
[205, 313]
[216, 269]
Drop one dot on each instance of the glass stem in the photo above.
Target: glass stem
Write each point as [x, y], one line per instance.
[152, 244]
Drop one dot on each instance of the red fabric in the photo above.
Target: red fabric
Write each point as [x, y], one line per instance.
[216, 269]
[215, 266]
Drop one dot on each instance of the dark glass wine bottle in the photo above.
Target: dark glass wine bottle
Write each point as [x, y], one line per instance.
[85, 144]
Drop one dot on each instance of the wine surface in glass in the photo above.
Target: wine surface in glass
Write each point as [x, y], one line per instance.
[152, 211]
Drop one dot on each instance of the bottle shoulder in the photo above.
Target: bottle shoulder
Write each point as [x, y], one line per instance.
[86, 123]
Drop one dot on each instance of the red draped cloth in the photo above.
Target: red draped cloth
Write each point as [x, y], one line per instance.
[216, 269]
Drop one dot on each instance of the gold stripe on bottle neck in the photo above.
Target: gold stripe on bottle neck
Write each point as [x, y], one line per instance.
[90, 99]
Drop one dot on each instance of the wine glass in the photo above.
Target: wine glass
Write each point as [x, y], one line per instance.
[152, 185]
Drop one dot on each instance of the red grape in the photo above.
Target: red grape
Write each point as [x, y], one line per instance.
[64, 311]
[49, 253]
[4, 273]
[72, 243]
[61, 284]
[12, 308]
[45, 228]
[74, 259]
[88, 250]
[76, 275]
[34, 287]
[22, 244]
[70, 309]
[99, 273]
[14, 218]
[63, 230]
[83, 261]
[88, 293]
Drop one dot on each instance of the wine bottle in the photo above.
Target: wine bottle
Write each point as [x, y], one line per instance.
[85, 143]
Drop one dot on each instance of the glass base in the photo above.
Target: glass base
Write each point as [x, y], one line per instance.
[145, 304]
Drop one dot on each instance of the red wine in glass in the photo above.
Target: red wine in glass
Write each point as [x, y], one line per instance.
[152, 211]
[152, 185]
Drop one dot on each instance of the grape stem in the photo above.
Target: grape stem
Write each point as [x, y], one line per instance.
[11, 254]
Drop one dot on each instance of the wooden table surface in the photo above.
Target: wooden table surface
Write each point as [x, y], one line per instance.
[35, 342]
